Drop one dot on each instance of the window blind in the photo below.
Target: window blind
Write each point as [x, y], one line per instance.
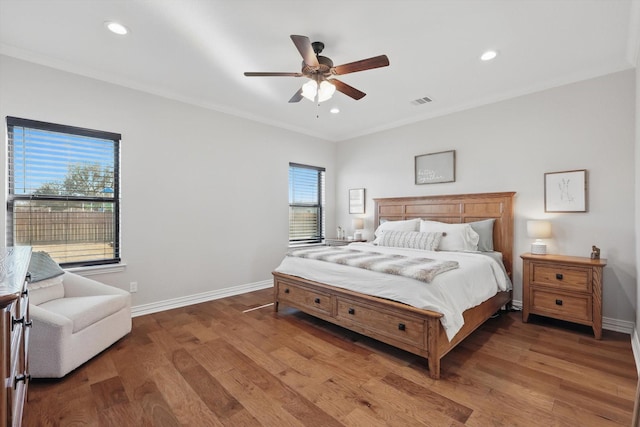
[63, 191]
[306, 204]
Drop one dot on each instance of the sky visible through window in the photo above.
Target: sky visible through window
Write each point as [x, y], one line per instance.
[45, 157]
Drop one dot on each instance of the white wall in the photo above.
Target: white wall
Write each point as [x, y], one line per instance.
[508, 146]
[204, 194]
[635, 341]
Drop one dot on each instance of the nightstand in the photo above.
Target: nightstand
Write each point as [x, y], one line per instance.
[340, 242]
[563, 287]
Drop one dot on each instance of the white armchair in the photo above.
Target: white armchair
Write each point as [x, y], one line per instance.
[74, 318]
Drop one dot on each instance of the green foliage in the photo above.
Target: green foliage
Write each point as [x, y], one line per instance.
[82, 179]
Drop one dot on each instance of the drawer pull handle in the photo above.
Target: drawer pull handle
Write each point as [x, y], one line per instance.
[15, 321]
[317, 300]
[401, 326]
[558, 302]
[286, 291]
[352, 311]
[20, 378]
[559, 276]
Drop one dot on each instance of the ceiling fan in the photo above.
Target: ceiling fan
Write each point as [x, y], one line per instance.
[320, 71]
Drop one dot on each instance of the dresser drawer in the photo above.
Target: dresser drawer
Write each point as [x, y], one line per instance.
[572, 307]
[405, 329]
[562, 276]
[305, 299]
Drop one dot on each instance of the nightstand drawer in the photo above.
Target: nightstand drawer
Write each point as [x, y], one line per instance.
[572, 307]
[561, 277]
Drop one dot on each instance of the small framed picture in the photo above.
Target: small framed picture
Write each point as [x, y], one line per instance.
[565, 191]
[356, 201]
[436, 167]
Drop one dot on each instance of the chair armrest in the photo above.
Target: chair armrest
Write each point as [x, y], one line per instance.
[79, 286]
[52, 322]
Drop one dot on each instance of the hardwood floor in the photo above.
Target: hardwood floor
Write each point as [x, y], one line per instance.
[213, 364]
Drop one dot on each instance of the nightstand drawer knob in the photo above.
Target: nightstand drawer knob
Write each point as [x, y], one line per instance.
[401, 326]
[352, 311]
[317, 300]
[558, 302]
[286, 291]
[559, 276]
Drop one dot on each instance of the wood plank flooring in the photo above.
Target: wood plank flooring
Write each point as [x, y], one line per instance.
[213, 364]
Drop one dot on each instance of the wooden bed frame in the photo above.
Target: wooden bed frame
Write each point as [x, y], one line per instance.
[412, 329]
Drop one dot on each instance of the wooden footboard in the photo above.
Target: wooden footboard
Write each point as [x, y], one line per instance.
[412, 329]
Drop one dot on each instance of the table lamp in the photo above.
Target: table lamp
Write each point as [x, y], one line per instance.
[358, 225]
[538, 230]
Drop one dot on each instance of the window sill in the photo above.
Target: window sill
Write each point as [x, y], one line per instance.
[94, 270]
[306, 245]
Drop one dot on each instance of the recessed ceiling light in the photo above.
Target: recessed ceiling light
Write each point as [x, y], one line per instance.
[334, 110]
[489, 55]
[116, 28]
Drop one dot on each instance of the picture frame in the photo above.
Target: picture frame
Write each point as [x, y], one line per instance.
[356, 201]
[565, 191]
[434, 168]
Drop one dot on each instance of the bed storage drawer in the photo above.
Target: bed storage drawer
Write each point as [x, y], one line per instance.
[407, 329]
[304, 298]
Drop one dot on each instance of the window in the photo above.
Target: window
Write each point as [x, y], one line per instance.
[306, 204]
[63, 191]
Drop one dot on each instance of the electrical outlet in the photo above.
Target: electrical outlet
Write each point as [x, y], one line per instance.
[133, 287]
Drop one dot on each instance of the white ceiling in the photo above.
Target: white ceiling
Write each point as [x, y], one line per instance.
[196, 51]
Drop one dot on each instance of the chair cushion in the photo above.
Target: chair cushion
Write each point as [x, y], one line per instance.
[45, 290]
[85, 311]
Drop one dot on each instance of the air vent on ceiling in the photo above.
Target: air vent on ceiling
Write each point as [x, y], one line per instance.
[421, 101]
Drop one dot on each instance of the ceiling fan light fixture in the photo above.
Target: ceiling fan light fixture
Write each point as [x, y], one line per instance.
[310, 89]
[326, 91]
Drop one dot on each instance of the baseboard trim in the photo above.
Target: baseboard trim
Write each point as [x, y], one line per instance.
[616, 325]
[635, 347]
[140, 310]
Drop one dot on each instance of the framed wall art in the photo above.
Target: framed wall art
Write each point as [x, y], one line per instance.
[565, 191]
[435, 167]
[356, 201]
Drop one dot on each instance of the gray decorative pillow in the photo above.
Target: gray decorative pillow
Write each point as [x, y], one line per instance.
[42, 267]
[411, 240]
[484, 229]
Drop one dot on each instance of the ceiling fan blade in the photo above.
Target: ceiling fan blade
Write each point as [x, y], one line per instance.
[261, 74]
[297, 97]
[364, 64]
[347, 90]
[303, 44]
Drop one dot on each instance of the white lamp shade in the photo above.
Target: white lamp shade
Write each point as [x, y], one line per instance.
[325, 91]
[539, 230]
[357, 223]
[309, 90]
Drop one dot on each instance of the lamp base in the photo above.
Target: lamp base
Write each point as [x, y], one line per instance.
[538, 248]
[357, 235]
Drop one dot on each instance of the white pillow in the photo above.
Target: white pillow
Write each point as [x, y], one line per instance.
[405, 225]
[411, 239]
[46, 290]
[457, 237]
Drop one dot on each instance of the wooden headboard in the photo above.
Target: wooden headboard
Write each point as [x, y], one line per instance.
[457, 208]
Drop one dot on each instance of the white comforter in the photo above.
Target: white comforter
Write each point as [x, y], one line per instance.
[478, 278]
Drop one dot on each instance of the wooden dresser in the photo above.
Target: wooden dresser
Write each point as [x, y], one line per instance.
[563, 287]
[14, 326]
